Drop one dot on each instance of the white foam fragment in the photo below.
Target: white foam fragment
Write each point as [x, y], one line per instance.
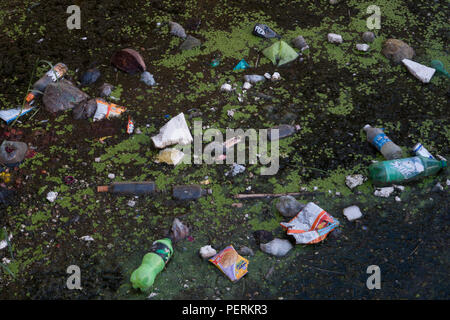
[421, 72]
[352, 213]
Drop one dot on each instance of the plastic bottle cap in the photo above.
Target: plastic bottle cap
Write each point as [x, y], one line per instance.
[367, 126]
[102, 189]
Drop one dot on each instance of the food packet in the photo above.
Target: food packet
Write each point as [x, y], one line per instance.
[107, 110]
[311, 225]
[230, 263]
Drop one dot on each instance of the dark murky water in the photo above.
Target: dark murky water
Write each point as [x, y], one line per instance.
[407, 240]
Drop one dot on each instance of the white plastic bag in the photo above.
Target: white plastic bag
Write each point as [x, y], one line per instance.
[175, 131]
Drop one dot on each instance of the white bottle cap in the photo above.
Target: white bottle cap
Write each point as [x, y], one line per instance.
[367, 126]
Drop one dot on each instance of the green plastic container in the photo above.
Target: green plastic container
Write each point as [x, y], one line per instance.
[152, 264]
[404, 170]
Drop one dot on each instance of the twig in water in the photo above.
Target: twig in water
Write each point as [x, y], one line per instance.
[324, 270]
[263, 195]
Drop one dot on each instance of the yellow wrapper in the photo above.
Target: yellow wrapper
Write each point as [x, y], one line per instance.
[231, 263]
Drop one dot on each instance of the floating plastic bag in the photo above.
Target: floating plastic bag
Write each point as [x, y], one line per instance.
[175, 131]
[241, 65]
[11, 114]
[280, 53]
[170, 156]
[230, 263]
[311, 225]
[107, 110]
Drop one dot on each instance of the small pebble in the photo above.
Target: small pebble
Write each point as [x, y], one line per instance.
[368, 36]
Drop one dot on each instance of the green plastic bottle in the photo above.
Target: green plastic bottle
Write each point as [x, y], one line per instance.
[152, 264]
[404, 170]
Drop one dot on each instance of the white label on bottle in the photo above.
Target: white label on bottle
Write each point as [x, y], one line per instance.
[53, 74]
[409, 167]
[259, 30]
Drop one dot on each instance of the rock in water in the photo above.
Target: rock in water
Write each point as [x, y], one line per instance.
[90, 76]
[300, 43]
[190, 43]
[246, 251]
[277, 247]
[368, 37]
[179, 230]
[397, 50]
[62, 95]
[85, 110]
[106, 90]
[289, 207]
[421, 72]
[177, 30]
[263, 236]
[128, 60]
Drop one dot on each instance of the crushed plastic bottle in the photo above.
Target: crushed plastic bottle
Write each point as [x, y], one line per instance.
[134, 188]
[385, 145]
[90, 76]
[57, 72]
[263, 31]
[152, 264]
[188, 192]
[420, 150]
[404, 170]
[439, 66]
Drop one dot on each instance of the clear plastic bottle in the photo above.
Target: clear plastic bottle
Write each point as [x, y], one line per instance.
[188, 192]
[135, 188]
[57, 72]
[385, 145]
